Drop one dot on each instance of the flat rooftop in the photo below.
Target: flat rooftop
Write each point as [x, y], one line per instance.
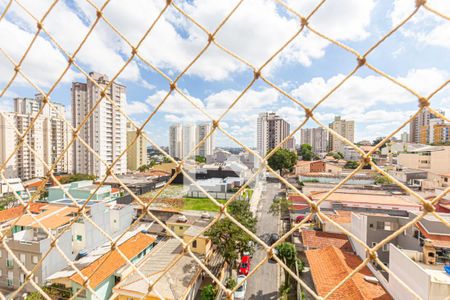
[374, 199]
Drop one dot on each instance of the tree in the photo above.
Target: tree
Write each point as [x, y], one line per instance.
[232, 241]
[351, 164]
[209, 292]
[143, 168]
[382, 180]
[288, 254]
[200, 159]
[280, 206]
[336, 155]
[282, 159]
[306, 152]
[76, 177]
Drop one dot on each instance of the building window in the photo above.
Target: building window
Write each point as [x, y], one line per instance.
[194, 244]
[35, 259]
[1, 253]
[79, 238]
[22, 257]
[385, 247]
[181, 227]
[374, 244]
[1, 273]
[9, 263]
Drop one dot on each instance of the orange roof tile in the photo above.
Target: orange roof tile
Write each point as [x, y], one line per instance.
[314, 239]
[110, 262]
[115, 190]
[51, 216]
[438, 240]
[15, 212]
[342, 216]
[329, 266]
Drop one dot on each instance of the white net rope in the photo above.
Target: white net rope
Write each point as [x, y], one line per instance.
[362, 61]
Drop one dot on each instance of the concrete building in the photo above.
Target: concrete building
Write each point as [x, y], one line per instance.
[105, 129]
[176, 140]
[207, 148]
[344, 128]
[404, 137]
[441, 133]
[137, 152]
[428, 281]
[271, 131]
[316, 137]
[11, 185]
[48, 138]
[135, 245]
[420, 129]
[431, 158]
[181, 281]
[184, 137]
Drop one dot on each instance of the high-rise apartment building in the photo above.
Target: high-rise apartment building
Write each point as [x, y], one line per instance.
[207, 148]
[176, 140]
[137, 152]
[46, 139]
[316, 137]
[420, 130]
[271, 131]
[441, 133]
[105, 129]
[184, 137]
[404, 137]
[344, 128]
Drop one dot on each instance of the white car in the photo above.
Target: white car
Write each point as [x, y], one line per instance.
[240, 292]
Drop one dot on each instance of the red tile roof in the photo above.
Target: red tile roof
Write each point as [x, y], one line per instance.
[438, 240]
[329, 266]
[110, 262]
[313, 239]
[15, 212]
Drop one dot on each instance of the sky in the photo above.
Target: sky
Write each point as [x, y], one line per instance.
[417, 55]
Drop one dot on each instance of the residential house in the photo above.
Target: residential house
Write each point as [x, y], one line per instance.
[432, 158]
[104, 266]
[80, 190]
[317, 166]
[329, 266]
[181, 281]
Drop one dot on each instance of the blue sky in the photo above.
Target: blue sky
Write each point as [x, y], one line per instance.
[417, 55]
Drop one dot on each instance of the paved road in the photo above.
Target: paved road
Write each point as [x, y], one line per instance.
[264, 283]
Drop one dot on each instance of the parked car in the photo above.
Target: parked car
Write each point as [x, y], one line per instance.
[273, 238]
[240, 292]
[244, 267]
[298, 219]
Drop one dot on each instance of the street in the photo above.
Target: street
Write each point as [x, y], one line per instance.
[264, 283]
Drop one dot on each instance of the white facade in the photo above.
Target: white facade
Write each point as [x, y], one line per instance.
[48, 138]
[184, 137]
[427, 281]
[207, 148]
[316, 137]
[344, 128]
[271, 131]
[105, 129]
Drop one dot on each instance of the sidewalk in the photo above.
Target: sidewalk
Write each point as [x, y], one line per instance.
[256, 196]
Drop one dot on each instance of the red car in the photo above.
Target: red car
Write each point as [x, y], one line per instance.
[244, 267]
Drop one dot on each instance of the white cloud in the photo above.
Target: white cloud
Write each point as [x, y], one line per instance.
[359, 93]
[425, 26]
[136, 108]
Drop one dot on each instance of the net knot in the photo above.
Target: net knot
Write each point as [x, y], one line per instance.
[103, 94]
[304, 21]
[423, 102]
[133, 50]
[215, 123]
[365, 160]
[361, 61]
[308, 112]
[419, 3]
[257, 74]
[138, 132]
[99, 14]
[172, 86]
[16, 68]
[210, 37]
[70, 60]
[314, 208]
[372, 254]
[39, 25]
[428, 207]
